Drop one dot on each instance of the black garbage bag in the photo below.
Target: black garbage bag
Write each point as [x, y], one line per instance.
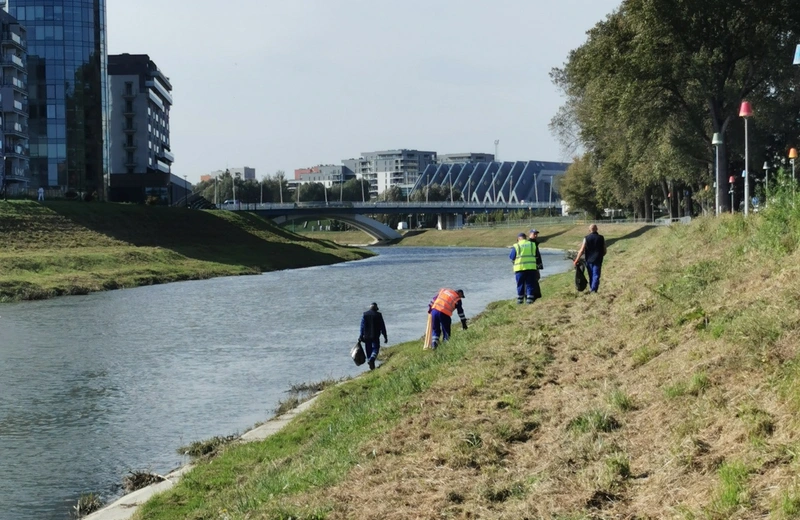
[580, 276]
[357, 353]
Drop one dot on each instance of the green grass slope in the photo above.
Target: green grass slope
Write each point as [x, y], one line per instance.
[673, 393]
[60, 248]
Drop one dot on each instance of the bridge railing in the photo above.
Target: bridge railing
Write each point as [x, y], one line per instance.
[457, 205]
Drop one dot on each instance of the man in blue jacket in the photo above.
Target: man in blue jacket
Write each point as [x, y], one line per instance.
[594, 246]
[372, 327]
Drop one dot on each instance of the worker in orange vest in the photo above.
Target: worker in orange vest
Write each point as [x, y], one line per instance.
[441, 310]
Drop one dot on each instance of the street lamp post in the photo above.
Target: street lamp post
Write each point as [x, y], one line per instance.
[746, 111]
[731, 180]
[186, 190]
[716, 141]
[766, 183]
[792, 157]
[262, 190]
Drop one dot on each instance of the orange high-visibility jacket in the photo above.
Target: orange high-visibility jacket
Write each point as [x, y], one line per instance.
[446, 301]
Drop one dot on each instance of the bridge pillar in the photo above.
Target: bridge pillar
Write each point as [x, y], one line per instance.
[450, 221]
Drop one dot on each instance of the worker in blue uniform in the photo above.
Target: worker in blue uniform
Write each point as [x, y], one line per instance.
[523, 255]
[372, 327]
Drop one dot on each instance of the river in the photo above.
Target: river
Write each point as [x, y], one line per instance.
[92, 387]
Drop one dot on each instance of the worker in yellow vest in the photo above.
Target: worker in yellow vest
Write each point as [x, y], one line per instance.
[523, 254]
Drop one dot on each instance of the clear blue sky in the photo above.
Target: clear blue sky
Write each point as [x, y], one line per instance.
[290, 84]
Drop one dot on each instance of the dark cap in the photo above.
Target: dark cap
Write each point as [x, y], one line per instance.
[460, 292]
[521, 235]
[534, 231]
[373, 306]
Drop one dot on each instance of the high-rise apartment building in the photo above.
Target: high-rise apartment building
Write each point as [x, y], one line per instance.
[14, 103]
[67, 91]
[390, 168]
[140, 156]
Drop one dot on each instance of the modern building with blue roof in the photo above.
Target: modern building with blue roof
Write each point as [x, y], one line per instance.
[497, 182]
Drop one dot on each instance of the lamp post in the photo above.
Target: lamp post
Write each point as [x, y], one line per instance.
[262, 190]
[746, 111]
[792, 157]
[187, 190]
[766, 183]
[731, 180]
[716, 141]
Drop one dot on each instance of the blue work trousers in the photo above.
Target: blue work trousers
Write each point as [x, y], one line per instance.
[594, 276]
[440, 325]
[528, 284]
[371, 349]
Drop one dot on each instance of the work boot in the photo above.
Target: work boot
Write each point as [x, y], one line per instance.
[519, 300]
[372, 364]
[435, 344]
[531, 299]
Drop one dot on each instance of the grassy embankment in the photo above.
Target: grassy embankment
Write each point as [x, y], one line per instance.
[673, 393]
[61, 248]
[553, 236]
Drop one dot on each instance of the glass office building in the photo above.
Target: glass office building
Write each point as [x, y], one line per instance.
[67, 89]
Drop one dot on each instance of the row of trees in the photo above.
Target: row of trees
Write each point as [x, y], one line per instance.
[652, 84]
[275, 189]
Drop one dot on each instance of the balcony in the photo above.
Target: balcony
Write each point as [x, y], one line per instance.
[130, 145]
[19, 107]
[12, 60]
[166, 156]
[10, 38]
[16, 151]
[129, 112]
[128, 94]
[17, 84]
[131, 164]
[129, 129]
[16, 129]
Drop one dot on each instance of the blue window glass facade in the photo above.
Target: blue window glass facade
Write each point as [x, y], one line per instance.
[67, 83]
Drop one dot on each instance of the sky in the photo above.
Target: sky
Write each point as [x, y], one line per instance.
[280, 85]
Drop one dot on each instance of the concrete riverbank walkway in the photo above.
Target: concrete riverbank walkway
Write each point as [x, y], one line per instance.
[124, 507]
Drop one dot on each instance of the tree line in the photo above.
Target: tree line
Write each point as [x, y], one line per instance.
[652, 84]
[275, 189]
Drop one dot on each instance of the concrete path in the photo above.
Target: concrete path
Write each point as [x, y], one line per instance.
[125, 507]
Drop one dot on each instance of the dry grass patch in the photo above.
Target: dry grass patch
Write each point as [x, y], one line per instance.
[673, 393]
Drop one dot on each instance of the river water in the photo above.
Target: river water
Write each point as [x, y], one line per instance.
[92, 387]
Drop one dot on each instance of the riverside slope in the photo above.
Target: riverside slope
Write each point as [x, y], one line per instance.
[62, 248]
[673, 393]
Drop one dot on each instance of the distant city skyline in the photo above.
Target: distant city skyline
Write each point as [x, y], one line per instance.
[281, 86]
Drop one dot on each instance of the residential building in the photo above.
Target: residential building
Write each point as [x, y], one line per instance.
[14, 103]
[385, 169]
[326, 174]
[245, 173]
[68, 86]
[465, 158]
[140, 155]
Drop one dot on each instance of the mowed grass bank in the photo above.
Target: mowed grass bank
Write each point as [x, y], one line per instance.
[61, 248]
[673, 393]
[553, 236]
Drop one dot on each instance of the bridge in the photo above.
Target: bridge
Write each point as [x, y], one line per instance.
[354, 213]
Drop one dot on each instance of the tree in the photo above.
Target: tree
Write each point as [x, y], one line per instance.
[578, 187]
[657, 78]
